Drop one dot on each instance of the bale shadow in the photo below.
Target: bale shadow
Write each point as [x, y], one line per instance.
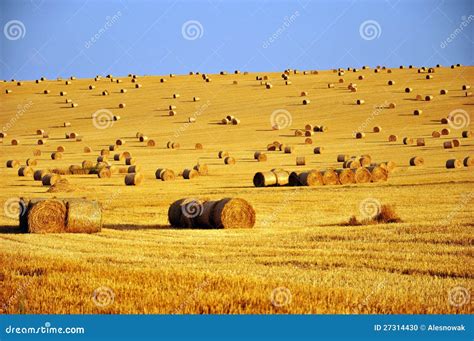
[132, 227]
[11, 230]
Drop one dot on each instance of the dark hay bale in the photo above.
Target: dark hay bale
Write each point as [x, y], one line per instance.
[264, 179]
[50, 179]
[453, 163]
[25, 171]
[417, 161]
[190, 174]
[165, 174]
[13, 164]
[229, 160]
[133, 179]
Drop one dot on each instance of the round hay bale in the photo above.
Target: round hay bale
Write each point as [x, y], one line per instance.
[359, 135]
[133, 179]
[202, 169]
[304, 93]
[392, 138]
[3, 135]
[299, 132]
[50, 179]
[346, 176]
[105, 152]
[138, 86]
[360, 102]
[119, 157]
[130, 161]
[56, 156]
[15, 142]
[468, 161]
[308, 133]
[225, 121]
[191, 119]
[289, 149]
[196, 99]
[465, 87]
[453, 163]
[39, 132]
[66, 124]
[309, 127]
[175, 145]
[392, 106]
[83, 216]
[104, 172]
[41, 142]
[198, 146]
[143, 138]
[318, 150]
[467, 133]
[308, 140]
[362, 175]
[448, 145]
[264, 179]
[134, 169]
[456, 143]
[36, 152]
[407, 140]
[116, 117]
[38, 174]
[445, 131]
[444, 120]
[352, 164]
[330, 85]
[102, 158]
[429, 77]
[310, 178]
[306, 101]
[417, 112]
[113, 147]
[25, 171]
[342, 158]
[377, 129]
[419, 97]
[330, 177]
[271, 147]
[190, 174]
[300, 161]
[181, 212]
[428, 98]
[391, 82]
[235, 121]
[417, 161]
[420, 142]
[365, 160]
[151, 143]
[233, 213]
[443, 92]
[122, 105]
[259, 156]
[126, 154]
[172, 113]
[86, 164]
[222, 154]
[46, 216]
[436, 134]
[282, 177]
[120, 142]
[165, 174]
[407, 90]
[229, 160]
[31, 162]
[378, 173]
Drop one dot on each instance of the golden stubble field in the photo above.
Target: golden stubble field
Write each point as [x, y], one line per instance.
[298, 258]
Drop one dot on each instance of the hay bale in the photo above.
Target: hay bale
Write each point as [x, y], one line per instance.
[3, 135]
[151, 143]
[467, 133]
[300, 161]
[15, 142]
[41, 142]
[360, 102]
[346, 176]
[391, 82]
[104, 172]
[31, 162]
[50, 179]
[45, 216]
[407, 140]
[196, 99]
[222, 154]
[198, 146]
[318, 150]
[289, 149]
[342, 158]
[113, 147]
[392, 138]
[264, 179]
[133, 179]
[308, 133]
[38, 174]
[420, 142]
[13, 164]
[306, 101]
[172, 113]
[25, 171]
[443, 92]
[143, 138]
[182, 212]
[448, 145]
[365, 160]
[130, 161]
[259, 156]
[40, 132]
[456, 143]
[310, 178]
[102, 158]
[352, 164]
[330, 177]
[308, 140]
[119, 142]
[359, 135]
[36, 152]
[66, 124]
[377, 129]
[233, 213]
[83, 216]
[202, 169]
[445, 131]
[453, 163]
[229, 160]
[362, 175]
[444, 120]
[378, 173]
[235, 121]
[428, 98]
[392, 106]
[465, 87]
[417, 161]
[86, 164]
[417, 112]
[190, 174]
[468, 161]
[436, 134]
[282, 177]
[299, 132]
[165, 174]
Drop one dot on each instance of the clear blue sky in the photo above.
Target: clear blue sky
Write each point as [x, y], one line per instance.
[54, 38]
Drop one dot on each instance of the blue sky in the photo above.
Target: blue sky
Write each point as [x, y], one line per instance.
[87, 37]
